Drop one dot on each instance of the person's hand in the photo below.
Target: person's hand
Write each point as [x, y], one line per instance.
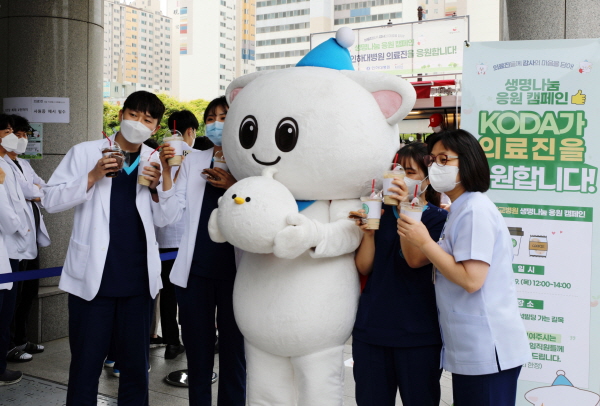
[219, 178]
[103, 166]
[2, 176]
[445, 206]
[362, 222]
[166, 152]
[152, 173]
[413, 231]
[37, 200]
[399, 190]
[38, 186]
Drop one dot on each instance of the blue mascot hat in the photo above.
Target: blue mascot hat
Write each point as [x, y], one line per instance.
[561, 379]
[333, 53]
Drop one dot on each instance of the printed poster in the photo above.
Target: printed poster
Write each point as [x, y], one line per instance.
[35, 139]
[534, 107]
[428, 47]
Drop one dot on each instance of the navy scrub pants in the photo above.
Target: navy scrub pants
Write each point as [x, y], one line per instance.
[499, 389]
[8, 299]
[197, 304]
[91, 326]
[379, 372]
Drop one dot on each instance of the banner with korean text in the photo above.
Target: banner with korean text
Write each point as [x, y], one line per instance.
[535, 108]
[426, 47]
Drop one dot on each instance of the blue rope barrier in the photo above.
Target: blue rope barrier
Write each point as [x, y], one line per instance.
[56, 271]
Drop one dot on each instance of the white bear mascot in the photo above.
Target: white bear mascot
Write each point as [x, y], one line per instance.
[324, 132]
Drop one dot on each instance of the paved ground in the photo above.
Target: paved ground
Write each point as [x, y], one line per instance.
[53, 365]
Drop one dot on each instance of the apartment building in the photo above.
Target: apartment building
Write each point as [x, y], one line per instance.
[137, 49]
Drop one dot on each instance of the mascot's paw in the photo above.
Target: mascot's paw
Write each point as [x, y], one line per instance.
[300, 235]
[213, 228]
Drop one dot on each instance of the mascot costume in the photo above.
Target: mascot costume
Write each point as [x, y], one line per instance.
[304, 143]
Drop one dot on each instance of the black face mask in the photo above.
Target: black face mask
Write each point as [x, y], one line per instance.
[202, 143]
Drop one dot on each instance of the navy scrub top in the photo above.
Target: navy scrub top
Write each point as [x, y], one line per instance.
[397, 307]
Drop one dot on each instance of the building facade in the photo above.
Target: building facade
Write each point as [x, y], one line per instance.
[137, 49]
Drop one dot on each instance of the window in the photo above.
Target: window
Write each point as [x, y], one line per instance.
[222, 66]
[221, 76]
[221, 87]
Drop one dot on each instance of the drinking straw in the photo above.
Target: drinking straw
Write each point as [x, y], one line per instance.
[395, 160]
[154, 151]
[109, 141]
[373, 187]
[412, 204]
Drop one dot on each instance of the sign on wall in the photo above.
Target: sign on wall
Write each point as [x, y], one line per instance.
[534, 106]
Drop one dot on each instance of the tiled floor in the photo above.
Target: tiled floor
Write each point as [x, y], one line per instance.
[53, 365]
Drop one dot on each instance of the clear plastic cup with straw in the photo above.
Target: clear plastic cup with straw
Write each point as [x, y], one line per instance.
[146, 160]
[175, 140]
[219, 161]
[371, 204]
[396, 172]
[113, 151]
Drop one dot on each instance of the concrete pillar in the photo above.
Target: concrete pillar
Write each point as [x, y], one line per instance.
[552, 19]
[54, 48]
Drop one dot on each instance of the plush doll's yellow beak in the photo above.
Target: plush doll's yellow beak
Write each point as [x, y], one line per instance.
[239, 200]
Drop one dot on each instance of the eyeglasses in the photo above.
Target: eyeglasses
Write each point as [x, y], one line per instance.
[440, 159]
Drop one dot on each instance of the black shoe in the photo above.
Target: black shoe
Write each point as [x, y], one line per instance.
[156, 342]
[180, 378]
[10, 377]
[173, 351]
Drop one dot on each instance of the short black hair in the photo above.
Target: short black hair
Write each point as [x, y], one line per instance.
[146, 102]
[6, 121]
[417, 151]
[20, 124]
[212, 106]
[474, 167]
[184, 119]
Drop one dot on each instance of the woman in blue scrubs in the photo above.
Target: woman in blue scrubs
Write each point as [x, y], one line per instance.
[396, 340]
[485, 342]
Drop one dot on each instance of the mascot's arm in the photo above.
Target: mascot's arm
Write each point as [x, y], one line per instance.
[213, 227]
[336, 238]
[340, 236]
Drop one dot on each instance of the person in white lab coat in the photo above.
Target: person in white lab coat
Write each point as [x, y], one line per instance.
[112, 268]
[204, 271]
[31, 184]
[17, 234]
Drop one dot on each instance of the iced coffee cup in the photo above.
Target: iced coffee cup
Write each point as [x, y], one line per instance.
[145, 161]
[114, 151]
[412, 210]
[372, 207]
[176, 141]
[219, 161]
[388, 176]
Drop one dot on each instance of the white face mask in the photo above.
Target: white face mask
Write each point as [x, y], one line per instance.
[22, 146]
[443, 178]
[134, 131]
[412, 183]
[10, 142]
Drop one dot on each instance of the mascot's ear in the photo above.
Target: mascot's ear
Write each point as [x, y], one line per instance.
[238, 84]
[395, 97]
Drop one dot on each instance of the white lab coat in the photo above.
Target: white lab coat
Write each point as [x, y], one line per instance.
[189, 188]
[17, 227]
[4, 262]
[28, 180]
[88, 246]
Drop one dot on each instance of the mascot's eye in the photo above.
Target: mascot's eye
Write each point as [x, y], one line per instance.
[286, 134]
[234, 196]
[247, 199]
[248, 132]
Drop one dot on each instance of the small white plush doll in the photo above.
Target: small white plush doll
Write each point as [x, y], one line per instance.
[328, 131]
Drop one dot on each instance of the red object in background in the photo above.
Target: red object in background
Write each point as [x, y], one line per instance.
[435, 120]
[363, 281]
[423, 89]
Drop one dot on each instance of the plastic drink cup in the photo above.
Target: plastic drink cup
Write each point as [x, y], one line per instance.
[516, 234]
[176, 142]
[372, 208]
[114, 151]
[145, 161]
[221, 164]
[388, 177]
[412, 210]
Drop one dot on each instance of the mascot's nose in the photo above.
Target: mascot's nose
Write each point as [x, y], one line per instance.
[239, 200]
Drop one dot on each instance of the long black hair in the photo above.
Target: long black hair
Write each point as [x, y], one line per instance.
[417, 151]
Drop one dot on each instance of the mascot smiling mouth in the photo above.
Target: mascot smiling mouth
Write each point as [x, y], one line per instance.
[266, 163]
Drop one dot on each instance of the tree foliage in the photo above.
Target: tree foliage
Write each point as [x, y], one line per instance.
[110, 122]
